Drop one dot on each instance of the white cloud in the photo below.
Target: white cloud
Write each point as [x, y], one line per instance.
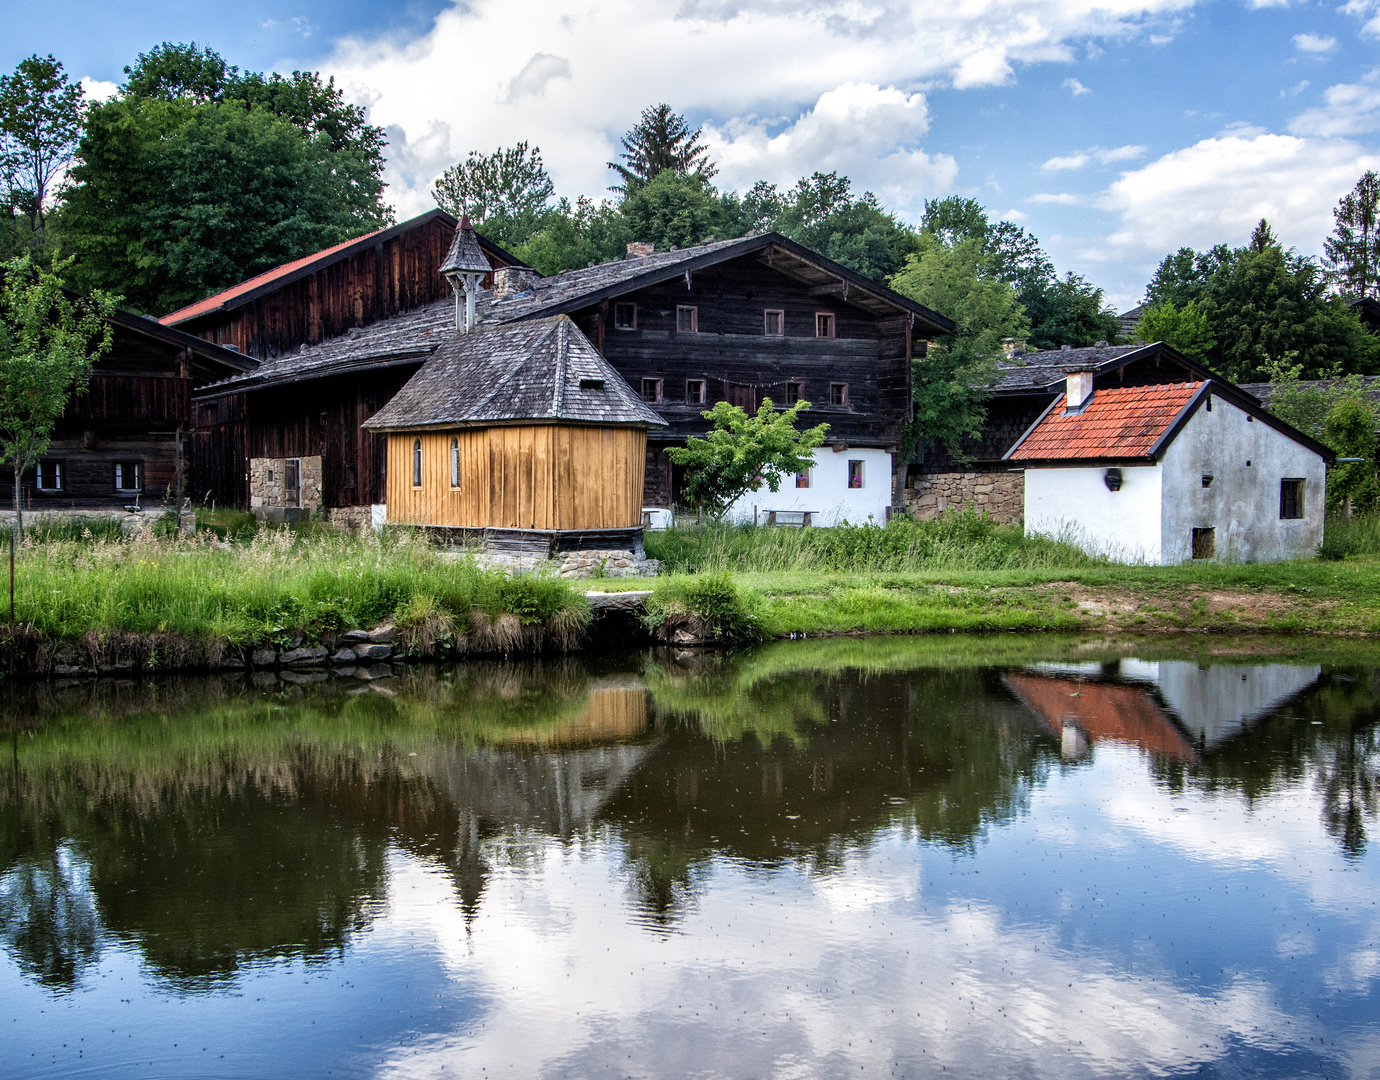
[869, 133]
[1076, 86]
[1313, 44]
[489, 73]
[98, 89]
[1348, 109]
[1046, 198]
[1101, 155]
[1217, 189]
[1296, 89]
[536, 74]
[298, 24]
[1369, 10]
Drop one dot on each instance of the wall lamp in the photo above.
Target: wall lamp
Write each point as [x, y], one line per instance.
[1112, 478]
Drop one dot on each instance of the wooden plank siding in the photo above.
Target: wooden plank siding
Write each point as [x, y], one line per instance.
[537, 476]
[735, 357]
[379, 281]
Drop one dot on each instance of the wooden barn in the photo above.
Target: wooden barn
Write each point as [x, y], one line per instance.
[519, 427]
[120, 443]
[338, 334]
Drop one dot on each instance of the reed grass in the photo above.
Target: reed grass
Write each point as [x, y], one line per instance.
[278, 585]
[959, 540]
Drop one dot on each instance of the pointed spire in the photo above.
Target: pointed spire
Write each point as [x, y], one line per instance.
[465, 255]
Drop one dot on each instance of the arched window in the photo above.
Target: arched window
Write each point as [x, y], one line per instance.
[454, 462]
[416, 462]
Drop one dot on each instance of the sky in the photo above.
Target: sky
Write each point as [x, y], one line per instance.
[1115, 131]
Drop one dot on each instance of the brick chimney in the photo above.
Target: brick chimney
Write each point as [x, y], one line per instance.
[1079, 388]
[640, 249]
[511, 280]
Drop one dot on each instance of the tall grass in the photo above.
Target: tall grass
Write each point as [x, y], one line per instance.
[278, 585]
[955, 541]
[1357, 535]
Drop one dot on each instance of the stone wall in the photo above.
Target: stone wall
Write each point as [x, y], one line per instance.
[353, 518]
[574, 564]
[1000, 494]
[266, 482]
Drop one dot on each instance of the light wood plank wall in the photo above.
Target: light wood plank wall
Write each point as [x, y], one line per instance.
[521, 477]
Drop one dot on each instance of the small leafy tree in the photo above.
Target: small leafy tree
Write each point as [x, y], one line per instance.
[507, 194]
[1186, 329]
[743, 451]
[1351, 432]
[48, 342]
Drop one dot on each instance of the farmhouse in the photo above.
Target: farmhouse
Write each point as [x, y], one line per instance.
[122, 443]
[522, 434]
[1027, 383]
[1172, 472]
[736, 320]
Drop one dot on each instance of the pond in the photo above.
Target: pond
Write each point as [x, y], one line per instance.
[901, 857]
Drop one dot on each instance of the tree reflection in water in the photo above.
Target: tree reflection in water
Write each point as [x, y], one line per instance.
[214, 825]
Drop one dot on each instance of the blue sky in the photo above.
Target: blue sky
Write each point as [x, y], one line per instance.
[1114, 132]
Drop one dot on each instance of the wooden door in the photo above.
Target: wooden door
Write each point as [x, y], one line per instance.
[743, 395]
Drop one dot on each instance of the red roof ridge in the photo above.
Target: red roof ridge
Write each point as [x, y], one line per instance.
[1117, 422]
[210, 303]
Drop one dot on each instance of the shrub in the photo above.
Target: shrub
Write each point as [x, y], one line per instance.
[712, 598]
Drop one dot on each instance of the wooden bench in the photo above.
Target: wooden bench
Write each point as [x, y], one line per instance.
[800, 519]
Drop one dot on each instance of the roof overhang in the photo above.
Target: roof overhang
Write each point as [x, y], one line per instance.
[1153, 350]
[310, 265]
[517, 421]
[779, 253]
[252, 382]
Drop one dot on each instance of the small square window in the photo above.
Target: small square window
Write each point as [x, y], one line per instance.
[1207, 480]
[774, 323]
[838, 393]
[651, 389]
[855, 474]
[625, 316]
[802, 479]
[694, 392]
[48, 476]
[687, 320]
[128, 476]
[824, 324]
[1204, 543]
[1290, 499]
[793, 392]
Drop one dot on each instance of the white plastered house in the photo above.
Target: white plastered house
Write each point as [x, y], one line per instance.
[845, 484]
[1170, 473]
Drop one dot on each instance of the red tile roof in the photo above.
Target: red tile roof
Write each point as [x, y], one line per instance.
[1103, 711]
[1122, 422]
[220, 299]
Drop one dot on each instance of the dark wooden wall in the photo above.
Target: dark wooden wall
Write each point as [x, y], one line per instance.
[217, 460]
[741, 364]
[323, 416]
[379, 281]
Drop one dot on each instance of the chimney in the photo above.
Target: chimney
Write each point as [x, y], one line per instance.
[640, 249]
[511, 280]
[1079, 389]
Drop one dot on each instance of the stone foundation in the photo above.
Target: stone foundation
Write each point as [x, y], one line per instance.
[130, 523]
[574, 564]
[353, 518]
[999, 494]
[266, 484]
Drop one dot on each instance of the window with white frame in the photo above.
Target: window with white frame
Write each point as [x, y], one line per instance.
[48, 476]
[129, 475]
[416, 463]
[855, 474]
[802, 478]
[454, 461]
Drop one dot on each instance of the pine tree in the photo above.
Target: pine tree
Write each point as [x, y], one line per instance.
[1352, 252]
[661, 141]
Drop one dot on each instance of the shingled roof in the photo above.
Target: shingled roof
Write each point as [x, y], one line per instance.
[1043, 371]
[541, 369]
[576, 289]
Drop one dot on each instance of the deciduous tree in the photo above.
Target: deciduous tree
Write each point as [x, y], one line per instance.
[743, 451]
[40, 123]
[507, 194]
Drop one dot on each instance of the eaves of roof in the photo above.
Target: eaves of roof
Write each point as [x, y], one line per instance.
[1056, 368]
[666, 270]
[345, 366]
[270, 280]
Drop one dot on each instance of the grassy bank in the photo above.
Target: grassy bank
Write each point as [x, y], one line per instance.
[965, 573]
[278, 586]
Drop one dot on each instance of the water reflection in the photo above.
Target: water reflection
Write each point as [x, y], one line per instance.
[507, 835]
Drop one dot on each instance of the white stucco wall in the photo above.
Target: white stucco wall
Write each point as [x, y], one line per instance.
[1124, 524]
[828, 496]
[1242, 504]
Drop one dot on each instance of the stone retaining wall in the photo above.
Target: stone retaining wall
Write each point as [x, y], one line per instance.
[576, 564]
[1000, 494]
